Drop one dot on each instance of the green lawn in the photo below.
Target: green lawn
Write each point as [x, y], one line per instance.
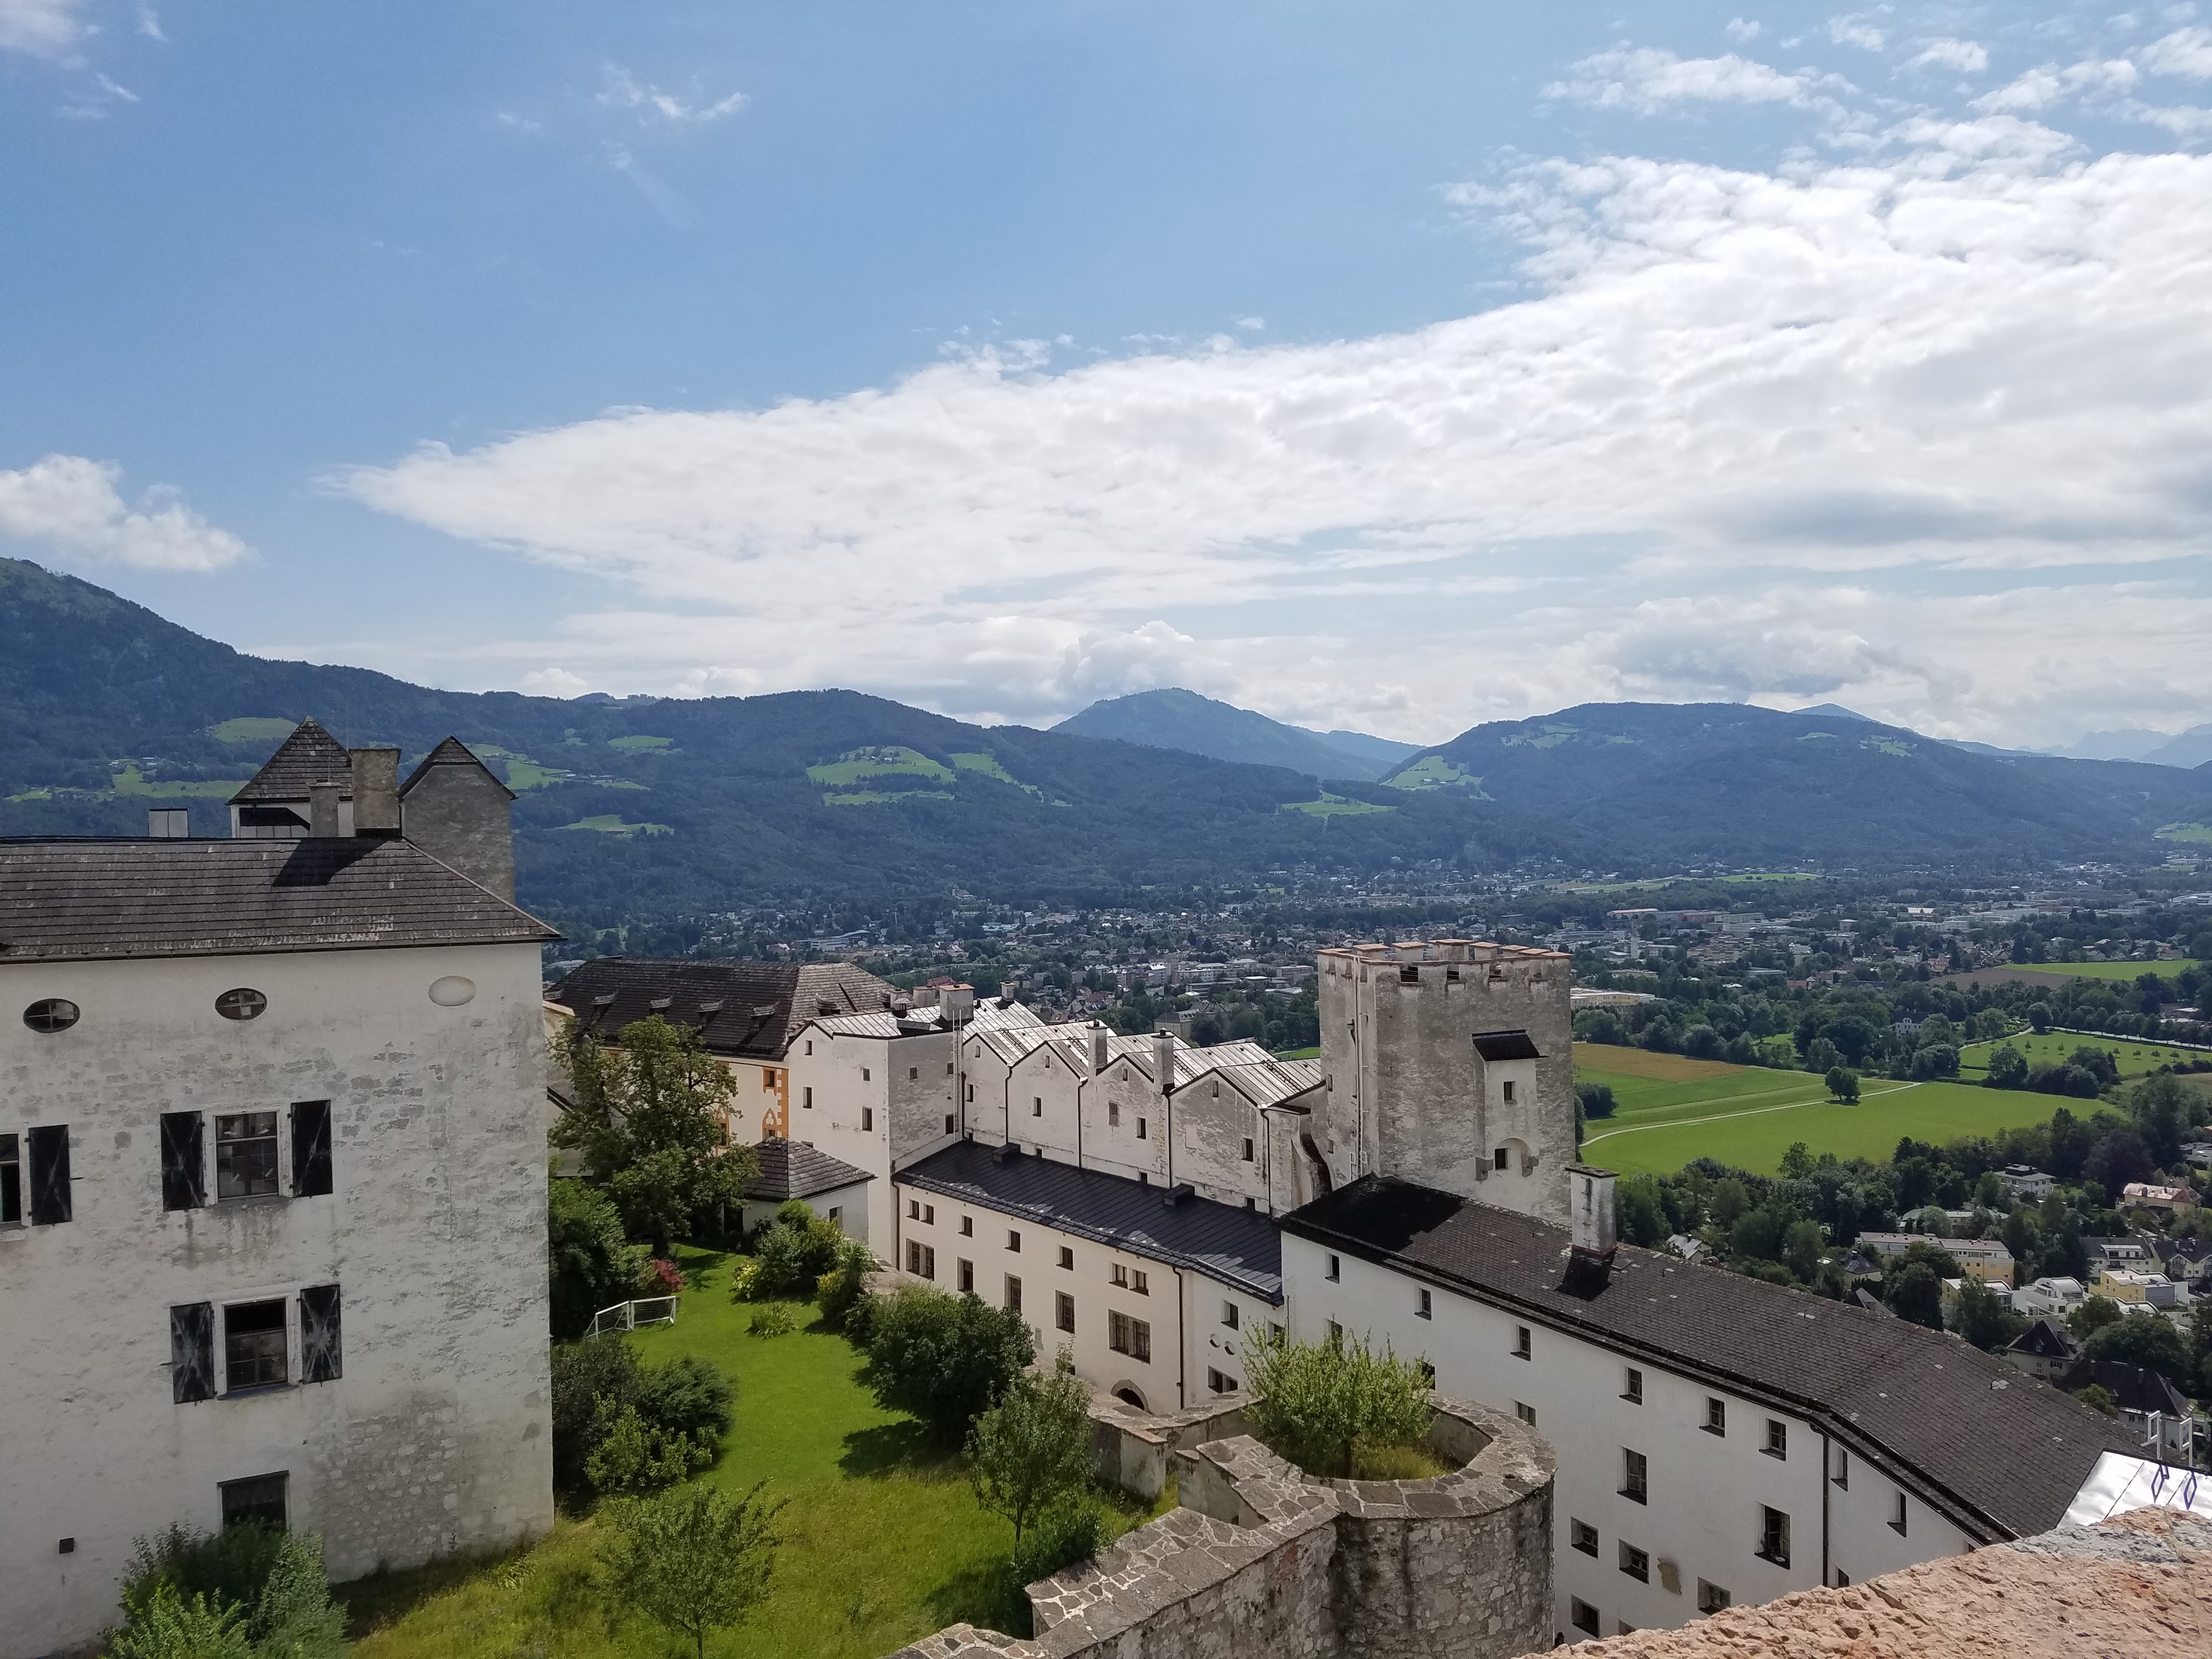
[886, 760]
[2134, 1058]
[2127, 972]
[612, 824]
[884, 1540]
[1334, 806]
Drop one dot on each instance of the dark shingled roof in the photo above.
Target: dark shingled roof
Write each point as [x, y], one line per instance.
[2131, 1387]
[2001, 1453]
[310, 756]
[750, 1010]
[62, 899]
[1505, 1045]
[792, 1169]
[450, 751]
[1238, 1246]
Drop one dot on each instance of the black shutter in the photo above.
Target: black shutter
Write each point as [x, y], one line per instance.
[50, 1175]
[322, 1359]
[191, 1352]
[311, 1148]
[184, 1161]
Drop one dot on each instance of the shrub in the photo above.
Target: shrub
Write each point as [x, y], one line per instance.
[687, 1395]
[2097, 1400]
[693, 1561]
[167, 1626]
[589, 1267]
[838, 1292]
[594, 1381]
[632, 1456]
[585, 1373]
[1069, 1531]
[773, 1320]
[1317, 1403]
[944, 1359]
[660, 1277]
[1396, 1463]
[1597, 1099]
[247, 1592]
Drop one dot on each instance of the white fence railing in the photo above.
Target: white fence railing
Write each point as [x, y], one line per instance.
[629, 1315]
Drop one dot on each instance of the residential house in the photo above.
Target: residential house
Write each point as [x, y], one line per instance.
[2022, 1181]
[829, 1186]
[2126, 1284]
[2152, 1410]
[2163, 1200]
[2050, 1295]
[2045, 1349]
[1986, 1259]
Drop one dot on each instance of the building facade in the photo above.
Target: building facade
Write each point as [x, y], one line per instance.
[274, 1105]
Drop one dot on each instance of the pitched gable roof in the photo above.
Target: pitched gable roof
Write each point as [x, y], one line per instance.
[310, 756]
[792, 1169]
[750, 1010]
[450, 751]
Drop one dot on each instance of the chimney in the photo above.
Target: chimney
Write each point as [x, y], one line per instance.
[168, 823]
[956, 1004]
[323, 810]
[1098, 1049]
[1163, 1054]
[375, 791]
[1590, 1196]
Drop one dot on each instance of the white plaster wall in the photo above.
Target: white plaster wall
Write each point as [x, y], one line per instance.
[437, 1437]
[849, 1202]
[1706, 1492]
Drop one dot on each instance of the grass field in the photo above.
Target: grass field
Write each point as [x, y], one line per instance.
[1334, 806]
[884, 1540]
[1673, 1109]
[2126, 972]
[2133, 1059]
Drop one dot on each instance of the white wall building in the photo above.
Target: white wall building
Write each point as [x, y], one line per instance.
[274, 1241]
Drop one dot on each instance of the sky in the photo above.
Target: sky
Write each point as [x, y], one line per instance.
[1386, 366]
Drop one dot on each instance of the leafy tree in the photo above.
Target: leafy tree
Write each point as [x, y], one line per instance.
[1935, 1061]
[1730, 1201]
[2097, 1400]
[1032, 1450]
[693, 1560]
[648, 1118]
[687, 1394]
[2148, 1341]
[1801, 1248]
[1596, 1098]
[2098, 1062]
[1797, 1162]
[944, 1359]
[1318, 1404]
[2020, 1236]
[1843, 1084]
[1757, 1235]
[2163, 1113]
[1983, 1320]
[2007, 1068]
[588, 1260]
[791, 1254]
[689, 1399]
[1914, 1292]
[1637, 1212]
[2093, 1315]
[2039, 1016]
[1066, 1533]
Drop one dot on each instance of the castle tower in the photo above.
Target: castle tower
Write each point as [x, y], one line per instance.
[1452, 1063]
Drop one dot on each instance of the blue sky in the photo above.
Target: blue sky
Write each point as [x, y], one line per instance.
[1391, 366]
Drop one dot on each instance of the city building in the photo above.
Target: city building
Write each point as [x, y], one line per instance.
[1986, 1259]
[272, 1190]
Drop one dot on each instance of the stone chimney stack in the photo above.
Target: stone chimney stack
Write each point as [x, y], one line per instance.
[1099, 1050]
[1163, 1054]
[323, 810]
[1590, 1223]
[956, 1003]
[375, 791]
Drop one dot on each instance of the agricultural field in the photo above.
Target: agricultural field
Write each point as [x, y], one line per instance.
[884, 1539]
[2126, 972]
[1671, 1110]
[1331, 806]
[2134, 1058]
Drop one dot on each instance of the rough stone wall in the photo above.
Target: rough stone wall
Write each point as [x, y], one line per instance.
[460, 816]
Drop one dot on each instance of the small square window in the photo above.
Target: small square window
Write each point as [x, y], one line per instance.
[1520, 1349]
[913, 1209]
[1636, 1563]
[1498, 1158]
[864, 1074]
[1583, 1536]
[1248, 1149]
[1422, 1307]
[1013, 1294]
[1715, 1416]
[1584, 1616]
[914, 1074]
[1139, 1283]
[965, 1277]
[1778, 1438]
[1508, 1093]
[1037, 1106]
[1119, 1274]
[966, 1226]
[253, 1346]
[867, 1120]
[1631, 1388]
[1221, 1382]
[1228, 1315]
[1066, 1258]
[1712, 1598]
[244, 1154]
[260, 1500]
[1526, 1413]
[929, 1214]
[1140, 1129]
[948, 1123]
[1897, 1516]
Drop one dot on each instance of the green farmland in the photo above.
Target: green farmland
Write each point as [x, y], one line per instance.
[2126, 972]
[2134, 1058]
[1671, 1110]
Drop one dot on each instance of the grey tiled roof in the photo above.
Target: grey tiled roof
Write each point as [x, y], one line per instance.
[1238, 1246]
[792, 1169]
[746, 1009]
[61, 899]
[310, 756]
[450, 751]
[1999, 1451]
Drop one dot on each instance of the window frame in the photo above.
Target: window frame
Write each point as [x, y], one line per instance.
[1773, 1536]
[1063, 1312]
[253, 1144]
[11, 1180]
[1584, 1617]
[262, 1351]
[1582, 1536]
[1635, 1476]
[1636, 1563]
[1631, 1385]
[1716, 1421]
[1777, 1440]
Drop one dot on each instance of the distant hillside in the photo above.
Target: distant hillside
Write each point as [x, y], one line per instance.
[2193, 748]
[1175, 718]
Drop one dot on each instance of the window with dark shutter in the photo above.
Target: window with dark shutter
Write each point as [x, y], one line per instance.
[191, 1352]
[50, 1175]
[184, 1165]
[322, 1359]
[311, 1148]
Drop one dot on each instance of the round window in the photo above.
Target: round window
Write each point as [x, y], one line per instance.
[451, 991]
[242, 1003]
[52, 1014]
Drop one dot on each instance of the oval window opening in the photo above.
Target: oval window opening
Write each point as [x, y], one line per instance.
[242, 1003]
[451, 991]
[51, 1014]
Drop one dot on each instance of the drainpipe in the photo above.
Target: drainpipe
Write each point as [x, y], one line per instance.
[1182, 1314]
[1827, 1480]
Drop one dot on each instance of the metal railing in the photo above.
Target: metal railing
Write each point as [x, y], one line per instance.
[629, 1315]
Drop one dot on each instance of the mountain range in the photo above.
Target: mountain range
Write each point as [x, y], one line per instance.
[637, 808]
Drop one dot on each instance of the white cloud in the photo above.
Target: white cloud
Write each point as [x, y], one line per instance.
[2186, 53]
[68, 504]
[150, 24]
[1856, 32]
[1646, 78]
[624, 91]
[41, 28]
[1893, 430]
[1742, 29]
[2039, 89]
[553, 683]
[1967, 57]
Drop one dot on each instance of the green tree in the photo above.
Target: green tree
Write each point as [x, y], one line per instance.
[1639, 1215]
[1797, 1162]
[1319, 1404]
[2093, 1313]
[1983, 1320]
[693, 1561]
[2148, 1341]
[589, 1263]
[944, 1359]
[1914, 1292]
[1597, 1099]
[2007, 1068]
[2097, 1398]
[1801, 1248]
[2039, 1016]
[1730, 1201]
[1843, 1084]
[791, 1254]
[839, 1290]
[648, 1119]
[2162, 1107]
[632, 1456]
[1032, 1450]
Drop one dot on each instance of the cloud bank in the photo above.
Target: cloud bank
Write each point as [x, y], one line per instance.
[67, 506]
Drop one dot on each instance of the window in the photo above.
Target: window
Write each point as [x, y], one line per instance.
[1335, 1270]
[1634, 1477]
[1119, 1274]
[1132, 1337]
[1520, 1349]
[913, 1074]
[1221, 1382]
[1508, 1093]
[50, 1196]
[1036, 1105]
[260, 1500]
[311, 1149]
[1842, 1476]
[11, 1182]
[837, 1214]
[1712, 1598]
[1013, 1241]
[1636, 1563]
[1498, 1158]
[322, 1356]
[1526, 1413]
[864, 1074]
[971, 1094]
[1274, 1333]
[1423, 1307]
[1248, 1149]
[242, 1003]
[1063, 1312]
[1584, 1616]
[1897, 1516]
[1113, 1114]
[1631, 1387]
[184, 1161]
[1336, 1334]
[810, 1045]
[806, 1098]
[1715, 1416]
[929, 1215]
[1842, 1579]
[768, 1077]
[913, 1209]
[1140, 1129]
[1583, 1536]
[254, 1348]
[964, 1275]
[1067, 1258]
[1778, 1438]
[948, 1123]
[244, 1154]
[1228, 1315]
[966, 1226]
[1138, 1282]
[920, 1260]
[1622, 1627]
[1013, 1294]
[1774, 1536]
[50, 1015]
[867, 1120]
[948, 1068]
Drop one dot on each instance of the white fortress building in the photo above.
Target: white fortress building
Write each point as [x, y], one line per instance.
[273, 1185]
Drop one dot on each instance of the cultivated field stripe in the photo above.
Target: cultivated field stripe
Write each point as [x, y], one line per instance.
[1722, 1117]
